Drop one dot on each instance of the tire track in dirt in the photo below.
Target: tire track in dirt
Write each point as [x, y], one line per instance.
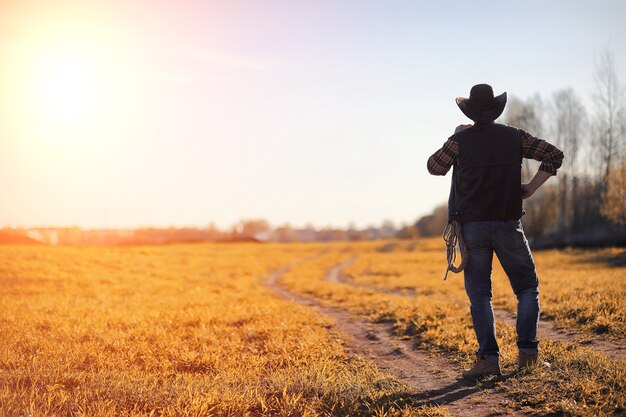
[545, 329]
[431, 378]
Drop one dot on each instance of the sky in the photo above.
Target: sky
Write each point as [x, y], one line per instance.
[126, 114]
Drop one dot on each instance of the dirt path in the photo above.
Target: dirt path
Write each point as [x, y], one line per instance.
[545, 329]
[433, 380]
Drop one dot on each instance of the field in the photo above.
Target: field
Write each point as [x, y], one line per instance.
[364, 328]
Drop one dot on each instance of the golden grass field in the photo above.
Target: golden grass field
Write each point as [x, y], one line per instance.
[194, 330]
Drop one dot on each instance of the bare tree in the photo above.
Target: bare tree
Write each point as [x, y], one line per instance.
[614, 197]
[567, 125]
[567, 121]
[526, 115]
[610, 113]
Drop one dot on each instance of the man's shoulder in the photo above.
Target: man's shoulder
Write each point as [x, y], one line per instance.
[512, 132]
[489, 129]
[503, 126]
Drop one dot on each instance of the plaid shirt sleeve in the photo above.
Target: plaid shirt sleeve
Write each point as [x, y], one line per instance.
[441, 161]
[549, 155]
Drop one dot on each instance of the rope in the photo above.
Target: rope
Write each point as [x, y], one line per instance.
[453, 235]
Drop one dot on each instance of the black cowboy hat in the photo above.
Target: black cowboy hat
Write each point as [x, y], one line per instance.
[482, 106]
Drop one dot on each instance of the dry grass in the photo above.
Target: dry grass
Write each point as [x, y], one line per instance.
[581, 290]
[192, 330]
[180, 330]
[580, 381]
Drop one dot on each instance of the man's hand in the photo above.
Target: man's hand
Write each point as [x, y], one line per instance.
[534, 184]
[461, 127]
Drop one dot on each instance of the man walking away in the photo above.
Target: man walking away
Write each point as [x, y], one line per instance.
[486, 198]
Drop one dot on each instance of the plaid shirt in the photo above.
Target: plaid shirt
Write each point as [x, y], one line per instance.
[549, 155]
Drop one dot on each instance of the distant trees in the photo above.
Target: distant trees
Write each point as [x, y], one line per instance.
[589, 196]
[567, 127]
[614, 196]
[285, 233]
[609, 123]
[526, 115]
[609, 127]
[434, 223]
[253, 228]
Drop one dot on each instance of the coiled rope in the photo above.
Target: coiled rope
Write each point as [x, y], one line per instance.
[453, 235]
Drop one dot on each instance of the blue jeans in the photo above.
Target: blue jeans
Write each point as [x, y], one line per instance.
[508, 241]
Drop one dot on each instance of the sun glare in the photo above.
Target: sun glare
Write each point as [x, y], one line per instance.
[68, 91]
[67, 80]
[66, 85]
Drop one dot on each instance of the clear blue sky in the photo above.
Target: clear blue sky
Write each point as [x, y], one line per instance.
[322, 112]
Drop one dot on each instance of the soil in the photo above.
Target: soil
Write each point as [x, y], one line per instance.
[431, 378]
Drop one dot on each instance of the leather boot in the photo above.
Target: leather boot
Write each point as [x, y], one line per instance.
[526, 360]
[482, 367]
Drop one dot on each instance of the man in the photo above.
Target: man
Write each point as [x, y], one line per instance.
[486, 198]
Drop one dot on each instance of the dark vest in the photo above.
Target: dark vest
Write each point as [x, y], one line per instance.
[486, 179]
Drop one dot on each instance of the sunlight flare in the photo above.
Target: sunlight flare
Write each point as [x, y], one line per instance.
[67, 85]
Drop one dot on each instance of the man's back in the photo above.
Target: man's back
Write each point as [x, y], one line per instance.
[486, 182]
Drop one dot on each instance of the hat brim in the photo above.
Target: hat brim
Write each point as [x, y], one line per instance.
[485, 115]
